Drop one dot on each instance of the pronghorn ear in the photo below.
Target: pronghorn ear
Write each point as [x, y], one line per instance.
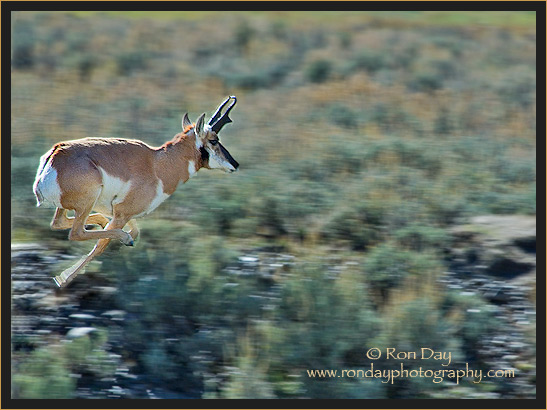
[199, 123]
[186, 121]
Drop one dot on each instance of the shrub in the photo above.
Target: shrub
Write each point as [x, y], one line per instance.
[269, 219]
[248, 381]
[44, 375]
[322, 301]
[279, 30]
[408, 154]
[403, 59]
[444, 123]
[425, 82]
[86, 64]
[370, 61]
[243, 34]
[341, 115]
[252, 78]
[332, 310]
[131, 61]
[23, 45]
[421, 237]
[410, 322]
[173, 296]
[48, 373]
[456, 44]
[387, 265]
[393, 119]
[518, 87]
[345, 39]
[446, 69]
[168, 283]
[359, 225]
[474, 321]
[166, 360]
[515, 171]
[318, 71]
[87, 356]
[417, 323]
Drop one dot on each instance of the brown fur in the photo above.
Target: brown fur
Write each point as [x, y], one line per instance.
[128, 160]
[78, 164]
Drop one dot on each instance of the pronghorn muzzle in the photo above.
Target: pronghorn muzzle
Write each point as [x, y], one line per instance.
[228, 157]
[217, 121]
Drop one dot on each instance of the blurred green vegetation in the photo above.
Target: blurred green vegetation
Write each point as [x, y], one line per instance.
[51, 372]
[362, 138]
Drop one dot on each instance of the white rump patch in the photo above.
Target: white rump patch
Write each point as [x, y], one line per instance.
[46, 187]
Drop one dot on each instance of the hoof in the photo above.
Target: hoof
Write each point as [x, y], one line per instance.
[128, 240]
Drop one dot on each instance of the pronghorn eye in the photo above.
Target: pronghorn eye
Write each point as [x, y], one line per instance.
[214, 142]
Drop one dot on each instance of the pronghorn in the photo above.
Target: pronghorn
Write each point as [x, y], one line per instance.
[123, 179]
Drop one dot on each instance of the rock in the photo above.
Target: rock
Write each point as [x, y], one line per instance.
[106, 290]
[26, 256]
[248, 260]
[25, 246]
[82, 319]
[502, 246]
[527, 244]
[506, 227]
[115, 314]
[82, 316]
[508, 268]
[80, 332]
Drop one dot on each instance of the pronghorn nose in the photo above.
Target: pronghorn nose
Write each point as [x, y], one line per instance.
[234, 164]
[228, 157]
[233, 168]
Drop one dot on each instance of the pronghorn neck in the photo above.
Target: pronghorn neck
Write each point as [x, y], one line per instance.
[179, 159]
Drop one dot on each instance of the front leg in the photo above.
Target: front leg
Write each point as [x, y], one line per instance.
[69, 274]
[133, 229]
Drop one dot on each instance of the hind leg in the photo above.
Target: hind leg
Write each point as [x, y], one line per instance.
[113, 231]
[62, 221]
[81, 190]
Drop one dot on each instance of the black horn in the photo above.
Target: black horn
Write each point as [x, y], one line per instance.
[217, 121]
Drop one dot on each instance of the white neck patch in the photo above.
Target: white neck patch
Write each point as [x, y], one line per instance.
[192, 168]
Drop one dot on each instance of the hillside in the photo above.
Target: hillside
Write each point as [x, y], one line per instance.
[368, 143]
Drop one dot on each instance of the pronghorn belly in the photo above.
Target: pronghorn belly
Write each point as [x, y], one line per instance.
[46, 187]
[113, 191]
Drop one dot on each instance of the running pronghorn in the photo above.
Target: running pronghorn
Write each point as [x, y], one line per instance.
[123, 179]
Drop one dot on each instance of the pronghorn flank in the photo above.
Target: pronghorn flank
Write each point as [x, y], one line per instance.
[123, 179]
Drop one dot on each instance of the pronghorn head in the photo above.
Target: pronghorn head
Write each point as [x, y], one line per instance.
[213, 153]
